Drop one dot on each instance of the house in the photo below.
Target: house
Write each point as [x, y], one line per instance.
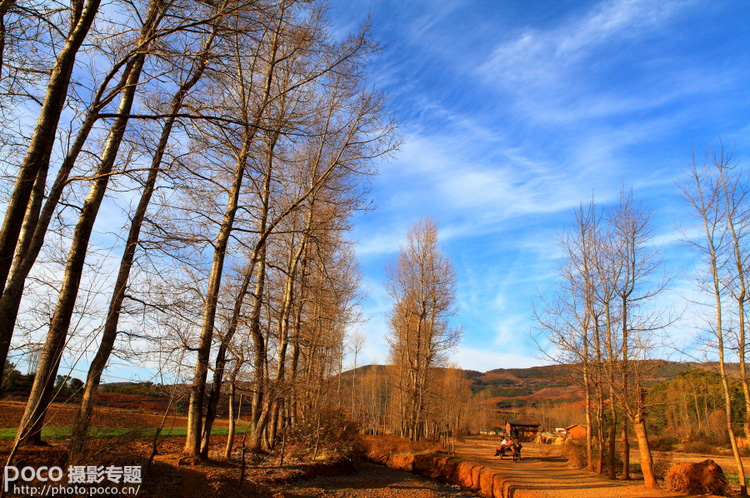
[524, 429]
[576, 431]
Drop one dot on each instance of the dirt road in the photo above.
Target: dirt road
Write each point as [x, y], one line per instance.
[547, 476]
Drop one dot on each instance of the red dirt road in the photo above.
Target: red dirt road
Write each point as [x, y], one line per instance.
[546, 476]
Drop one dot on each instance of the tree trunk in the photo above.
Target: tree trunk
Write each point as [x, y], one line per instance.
[589, 426]
[41, 392]
[730, 427]
[647, 464]
[197, 390]
[232, 423]
[43, 139]
[625, 450]
[612, 471]
[109, 334]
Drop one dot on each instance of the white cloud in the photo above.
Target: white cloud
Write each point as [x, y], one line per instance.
[584, 68]
[538, 56]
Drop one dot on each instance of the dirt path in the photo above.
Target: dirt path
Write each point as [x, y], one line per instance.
[542, 476]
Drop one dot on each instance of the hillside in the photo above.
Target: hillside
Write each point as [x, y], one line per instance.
[520, 387]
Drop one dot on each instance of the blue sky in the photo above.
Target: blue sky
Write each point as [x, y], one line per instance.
[513, 112]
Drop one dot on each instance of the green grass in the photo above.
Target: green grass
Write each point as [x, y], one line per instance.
[735, 480]
[53, 432]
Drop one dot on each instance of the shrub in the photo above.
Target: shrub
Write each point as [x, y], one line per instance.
[575, 453]
[697, 478]
[390, 445]
[329, 435]
[663, 443]
[662, 463]
[699, 447]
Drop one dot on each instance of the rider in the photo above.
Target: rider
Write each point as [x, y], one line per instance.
[500, 450]
[515, 448]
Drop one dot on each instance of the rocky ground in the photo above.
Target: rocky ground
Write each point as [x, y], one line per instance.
[371, 481]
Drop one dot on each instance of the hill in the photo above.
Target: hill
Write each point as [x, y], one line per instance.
[519, 387]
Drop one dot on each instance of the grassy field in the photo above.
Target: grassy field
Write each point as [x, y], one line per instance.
[56, 432]
[108, 422]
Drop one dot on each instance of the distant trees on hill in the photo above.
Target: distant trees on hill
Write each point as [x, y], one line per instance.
[690, 407]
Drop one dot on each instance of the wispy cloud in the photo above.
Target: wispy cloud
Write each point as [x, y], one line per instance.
[587, 67]
[544, 56]
[514, 115]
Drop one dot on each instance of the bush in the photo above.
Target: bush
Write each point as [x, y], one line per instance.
[329, 435]
[663, 443]
[575, 453]
[392, 445]
[698, 478]
[662, 463]
[699, 447]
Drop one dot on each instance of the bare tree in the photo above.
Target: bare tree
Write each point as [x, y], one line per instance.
[606, 282]
[109, 332]
[704, 191]
[570, 319]
[421, 284]
[636, 285]
[31, 423]
[357, 341]
[251, 119]
[734, 189]
[33, 169]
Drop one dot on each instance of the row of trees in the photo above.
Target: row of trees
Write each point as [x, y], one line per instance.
[448, 405]
[237, 136]
[600, 320]
[690, 408]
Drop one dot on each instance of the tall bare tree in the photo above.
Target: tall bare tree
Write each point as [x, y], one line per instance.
[570, 319]
[607, 281]
[704, 191]
[109, 333]
[37, 404]
[421, 284]
[637, 283]
[33, 168]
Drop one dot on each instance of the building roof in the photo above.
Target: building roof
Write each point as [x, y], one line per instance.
[525, 423]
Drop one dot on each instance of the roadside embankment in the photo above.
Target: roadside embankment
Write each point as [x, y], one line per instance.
[468, 474]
